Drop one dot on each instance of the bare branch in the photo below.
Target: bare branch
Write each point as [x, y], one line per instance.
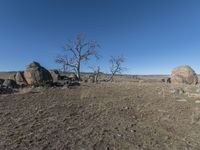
[77, 52]
[116, 67]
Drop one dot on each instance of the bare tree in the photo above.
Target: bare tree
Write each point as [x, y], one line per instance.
[116, 66]
[76, 52]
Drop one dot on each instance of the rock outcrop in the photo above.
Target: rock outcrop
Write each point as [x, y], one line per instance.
[37, 75]
[55, 75]
[19, 78]
[184, 75]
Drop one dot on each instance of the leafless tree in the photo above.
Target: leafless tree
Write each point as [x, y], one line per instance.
[116, 66]
[76, 52]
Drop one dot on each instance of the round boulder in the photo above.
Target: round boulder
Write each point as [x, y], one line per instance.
[36, 75]
[184, 75]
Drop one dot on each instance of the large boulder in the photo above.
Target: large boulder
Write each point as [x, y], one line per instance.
[184, 74]
[55, 75]
[19, 78]
[37, 75]
[9, 83]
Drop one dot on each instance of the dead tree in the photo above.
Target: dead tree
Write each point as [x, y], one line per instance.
[76, 52]
[116, 66]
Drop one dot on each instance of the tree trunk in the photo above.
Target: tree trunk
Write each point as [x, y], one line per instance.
[111, 77]
[78, 72]
[64, 68]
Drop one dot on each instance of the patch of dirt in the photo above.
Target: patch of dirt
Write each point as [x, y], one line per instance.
[110, 116]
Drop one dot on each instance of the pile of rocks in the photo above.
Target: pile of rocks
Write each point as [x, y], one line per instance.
[36, 75]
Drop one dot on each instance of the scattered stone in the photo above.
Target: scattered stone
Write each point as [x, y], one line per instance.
[10, 83]
[193, 95]
[198, 88]
[185, 75]
[163, 80]
[181, 100]
[197, 101]
[177, 91]
[126, 107]
[37, 75]
[166, 80]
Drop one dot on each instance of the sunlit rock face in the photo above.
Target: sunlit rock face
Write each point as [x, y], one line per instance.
[35, 74]
[184, 75]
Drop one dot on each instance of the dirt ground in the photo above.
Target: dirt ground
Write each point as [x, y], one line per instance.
[105, 116]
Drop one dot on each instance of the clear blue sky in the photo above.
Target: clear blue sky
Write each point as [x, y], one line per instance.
[153, 35]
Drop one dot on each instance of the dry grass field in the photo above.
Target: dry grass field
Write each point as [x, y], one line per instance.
[132, 115]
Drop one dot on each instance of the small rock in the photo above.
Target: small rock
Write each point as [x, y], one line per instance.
[181, 100]
[126, 107]
[197, 101]
[198, 89]
[177, 91]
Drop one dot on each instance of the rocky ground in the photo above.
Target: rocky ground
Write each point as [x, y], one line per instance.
[123, 115]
